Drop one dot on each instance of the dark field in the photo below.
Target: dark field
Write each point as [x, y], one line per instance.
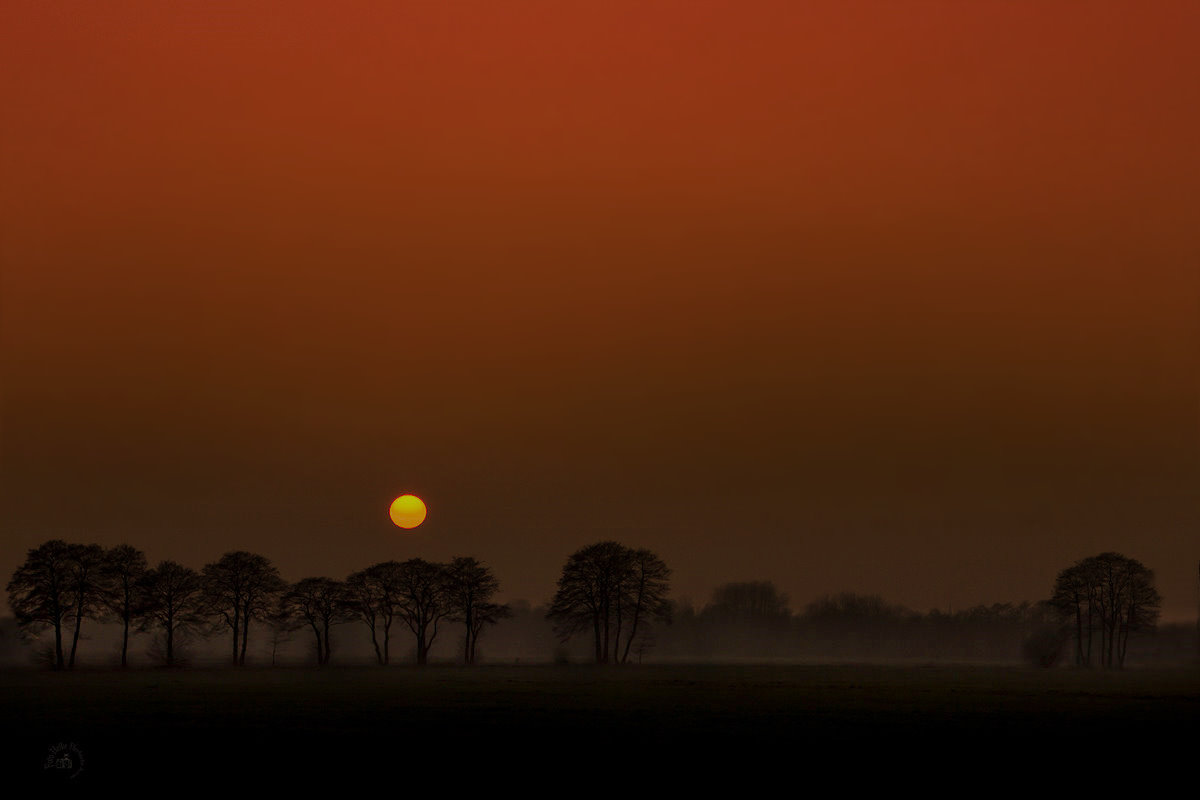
[726, 718]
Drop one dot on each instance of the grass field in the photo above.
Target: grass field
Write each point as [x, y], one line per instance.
[196, 722]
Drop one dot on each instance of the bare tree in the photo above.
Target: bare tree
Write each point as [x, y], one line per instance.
[1141, 608]
[241, 587]
[613, 590]
[584, 597]
[124, 566]
[174, 603]
[1110, 596]
[87, 588]
[1074, 597]
[319, 603]
[422, 600]
[371, 596]
[642, 599]
[470, 586]
[40, 592]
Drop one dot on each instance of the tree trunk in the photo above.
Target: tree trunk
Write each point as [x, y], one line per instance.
[629, 641]
[1123, 644]
[1112, 642]
[616, 650]
[1079, 636]
[317, 635]
[375, 643]
[245, 632]
[59, 663]
[75, 637]
[604, 660]
[467, 658]
[125, 637]
[1087, 660]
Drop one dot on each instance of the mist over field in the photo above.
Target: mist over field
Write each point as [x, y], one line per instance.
[867, 630]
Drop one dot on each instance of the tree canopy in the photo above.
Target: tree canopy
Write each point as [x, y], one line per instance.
[319, 603]
[174, 604]
[41, 592]
[616, 592]
[240, 587]
[470, 586]
[1105, 598]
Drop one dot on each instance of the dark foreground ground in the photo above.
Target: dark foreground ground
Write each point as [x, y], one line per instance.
[486, 723]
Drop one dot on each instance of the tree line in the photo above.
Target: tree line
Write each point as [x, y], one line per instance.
[615, 596]
[61, 585]
[1094, 609]
[754, 619]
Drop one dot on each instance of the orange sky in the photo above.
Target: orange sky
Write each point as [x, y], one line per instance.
[888, 297]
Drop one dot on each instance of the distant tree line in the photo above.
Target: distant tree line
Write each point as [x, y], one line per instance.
[1096, 605]
[61, 585]
[754, 620]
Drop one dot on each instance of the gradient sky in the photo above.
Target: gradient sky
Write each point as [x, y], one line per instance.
[891, 297]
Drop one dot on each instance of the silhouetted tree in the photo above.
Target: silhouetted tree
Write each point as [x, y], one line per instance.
[174, 603]
[371, 595]
[319, 603]
[470, 586]
[40, 592]
[585, 594]
[124, 566]
[86, 563]
[485, 614]
[1131, 603]
[1075, 597]
[641, 600]
[422, 600]
[241, 587]
[1109, 594]
[614, 591]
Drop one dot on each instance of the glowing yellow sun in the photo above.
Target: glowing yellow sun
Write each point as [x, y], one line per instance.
[407, 511]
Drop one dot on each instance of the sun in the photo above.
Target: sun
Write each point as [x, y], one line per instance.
[408, 511]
